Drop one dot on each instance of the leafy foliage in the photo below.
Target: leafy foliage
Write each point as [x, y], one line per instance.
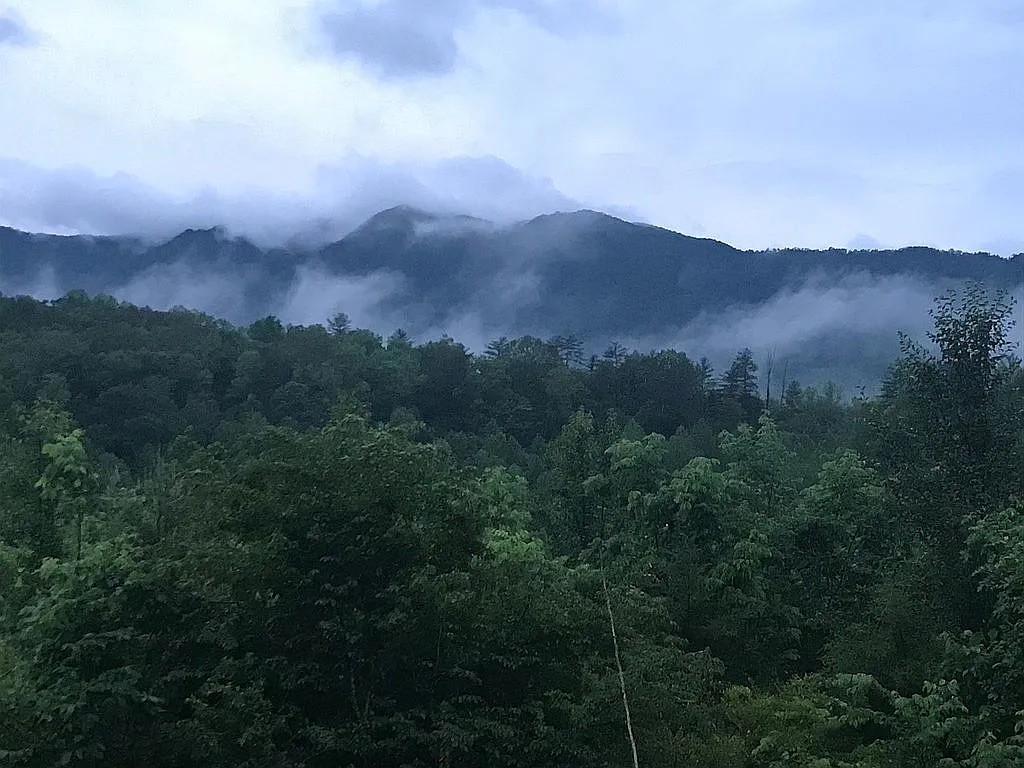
[293, 546]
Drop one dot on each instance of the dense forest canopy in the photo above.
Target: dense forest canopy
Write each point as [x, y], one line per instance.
[281, 545]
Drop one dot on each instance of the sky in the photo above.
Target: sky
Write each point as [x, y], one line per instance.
[763, 123]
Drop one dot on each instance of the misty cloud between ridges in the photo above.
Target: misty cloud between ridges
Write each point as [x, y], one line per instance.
[830, 314]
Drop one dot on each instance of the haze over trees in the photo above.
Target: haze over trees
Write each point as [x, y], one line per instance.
[829, 315]
[283, 545]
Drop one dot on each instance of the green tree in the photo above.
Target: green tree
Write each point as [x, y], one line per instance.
[946, 431]
[68, 482]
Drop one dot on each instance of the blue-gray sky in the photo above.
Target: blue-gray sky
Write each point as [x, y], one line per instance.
[759, 122]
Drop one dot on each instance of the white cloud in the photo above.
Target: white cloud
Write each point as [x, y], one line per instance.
[215, 291]
[760, 123]
[343, 195]
[788, 322]
[315, 297]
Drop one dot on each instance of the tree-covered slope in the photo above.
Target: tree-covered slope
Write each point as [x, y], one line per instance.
[308, 547]
[587, 274]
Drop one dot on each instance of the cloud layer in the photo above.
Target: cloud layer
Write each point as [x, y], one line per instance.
[408, 38]
[760, 123]
[344, 194]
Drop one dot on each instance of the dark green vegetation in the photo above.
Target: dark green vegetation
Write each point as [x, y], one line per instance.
[299, 546]
[830, 315]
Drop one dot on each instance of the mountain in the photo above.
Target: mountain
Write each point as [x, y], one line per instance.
[832, 313]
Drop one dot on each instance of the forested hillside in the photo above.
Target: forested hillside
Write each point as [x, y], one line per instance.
[281, 545]
[831, 314]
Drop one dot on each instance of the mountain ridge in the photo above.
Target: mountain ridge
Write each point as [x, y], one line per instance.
[583, 272]
[415, 214]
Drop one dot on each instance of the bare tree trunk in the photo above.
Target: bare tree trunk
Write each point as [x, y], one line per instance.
[618, 665]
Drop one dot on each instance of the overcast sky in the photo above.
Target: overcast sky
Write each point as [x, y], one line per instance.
[758, 122]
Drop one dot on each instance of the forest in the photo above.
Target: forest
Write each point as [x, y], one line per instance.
[284, 546]
[832, 314]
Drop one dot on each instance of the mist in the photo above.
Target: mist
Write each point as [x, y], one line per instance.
[219, 293]
[795, 327]
[43, 285]
[316, 296]
[330, 204]
[476, 280]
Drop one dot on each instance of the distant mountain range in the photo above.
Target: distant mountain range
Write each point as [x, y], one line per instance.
[831, 314]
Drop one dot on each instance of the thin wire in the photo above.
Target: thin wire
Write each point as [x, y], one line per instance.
[622, 677]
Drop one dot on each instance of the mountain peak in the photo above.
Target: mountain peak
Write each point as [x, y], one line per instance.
[407, 222]
[583, 216]
[196, 238]
[399, 217]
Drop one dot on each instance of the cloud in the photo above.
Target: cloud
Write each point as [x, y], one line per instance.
[13, 30]
[846, 331]
[312, 297]
[214, 291]
[787, 123]
[394, 41]
[344, 194]
[794, 318]
[492, 312]
[43, 285]
[862, 242]
[315, 296]
[410, 38]
[486, 187]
